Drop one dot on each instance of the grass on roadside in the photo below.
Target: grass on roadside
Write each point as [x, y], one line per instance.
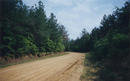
[89, 71]
[88, 74]
[2, 65]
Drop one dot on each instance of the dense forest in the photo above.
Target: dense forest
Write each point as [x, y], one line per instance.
[27, 30]
[109, 46]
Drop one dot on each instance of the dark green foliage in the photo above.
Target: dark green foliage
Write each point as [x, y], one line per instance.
[82, 44]
[111, 47]
[25, 30]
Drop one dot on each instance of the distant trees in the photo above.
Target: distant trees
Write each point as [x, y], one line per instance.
[25, 30]
[82, 44]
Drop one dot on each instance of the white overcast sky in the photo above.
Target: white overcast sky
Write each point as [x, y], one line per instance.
[78, 14]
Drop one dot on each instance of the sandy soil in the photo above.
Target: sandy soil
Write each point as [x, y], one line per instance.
[63, 68]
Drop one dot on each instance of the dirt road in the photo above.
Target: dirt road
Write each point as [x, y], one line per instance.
[63, 68]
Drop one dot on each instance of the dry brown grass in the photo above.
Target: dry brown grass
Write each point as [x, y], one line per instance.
[30, 58]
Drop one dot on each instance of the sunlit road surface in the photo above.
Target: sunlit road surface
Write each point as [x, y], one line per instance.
[62, 68]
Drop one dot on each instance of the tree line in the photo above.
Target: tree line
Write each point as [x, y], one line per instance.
[27, 30]
[109, 46]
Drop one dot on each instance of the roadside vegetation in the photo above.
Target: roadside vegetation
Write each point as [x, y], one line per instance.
[109, 47]
[27, 59]
[26, 31]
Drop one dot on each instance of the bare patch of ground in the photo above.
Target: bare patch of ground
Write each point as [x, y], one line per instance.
[63, 68]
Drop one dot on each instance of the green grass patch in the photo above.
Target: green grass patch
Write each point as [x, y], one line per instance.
[88, 71]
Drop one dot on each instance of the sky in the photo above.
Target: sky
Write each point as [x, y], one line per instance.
[78, 14]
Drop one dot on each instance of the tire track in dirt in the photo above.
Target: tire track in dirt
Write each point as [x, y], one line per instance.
[63, 68]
